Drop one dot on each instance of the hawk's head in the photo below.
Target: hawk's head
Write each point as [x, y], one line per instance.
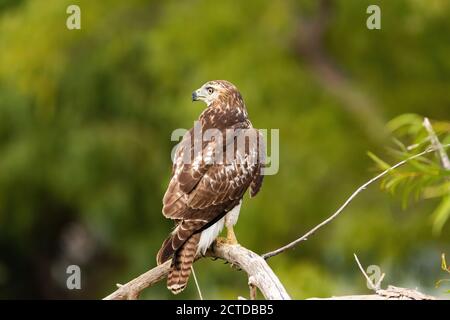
[216, 91]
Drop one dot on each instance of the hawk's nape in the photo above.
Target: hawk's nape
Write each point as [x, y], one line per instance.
[203, 195]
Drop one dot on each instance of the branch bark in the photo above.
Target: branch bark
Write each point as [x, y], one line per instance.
[259, 273]
[132, 289]
[391, 293]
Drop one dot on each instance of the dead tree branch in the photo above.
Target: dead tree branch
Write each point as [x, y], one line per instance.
[259, 273]
[132, 289]
[391, 293]
[374, 286]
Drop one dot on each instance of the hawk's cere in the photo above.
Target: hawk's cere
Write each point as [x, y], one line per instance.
[204, 195]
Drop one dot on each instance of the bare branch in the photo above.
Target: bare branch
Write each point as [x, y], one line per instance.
[346, 203]
[200, 295]
[131, 290]
[252, 287]
[391, 293]
[260, 274]
[372, 285]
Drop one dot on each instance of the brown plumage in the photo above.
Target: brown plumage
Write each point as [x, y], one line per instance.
[203, 191]
[181, 265]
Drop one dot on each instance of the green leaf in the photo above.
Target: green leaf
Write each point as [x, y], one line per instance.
[441, 215]
[383, 165]
[407, 190]
[424, 168]
[394, 182]
[436, 191]
[408, 119]
[400, 144]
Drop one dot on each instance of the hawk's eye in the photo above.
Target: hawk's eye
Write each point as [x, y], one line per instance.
[210, 90]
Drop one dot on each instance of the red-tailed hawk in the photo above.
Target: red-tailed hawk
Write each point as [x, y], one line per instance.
[209, 178]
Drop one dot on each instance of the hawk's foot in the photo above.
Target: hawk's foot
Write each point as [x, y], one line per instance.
[231, 237]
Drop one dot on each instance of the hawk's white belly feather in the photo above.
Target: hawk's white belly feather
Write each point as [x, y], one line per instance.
[209, 235]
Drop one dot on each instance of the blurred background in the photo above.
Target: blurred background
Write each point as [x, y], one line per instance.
[86, 117]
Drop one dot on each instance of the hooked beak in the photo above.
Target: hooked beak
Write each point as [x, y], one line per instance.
[194, 96]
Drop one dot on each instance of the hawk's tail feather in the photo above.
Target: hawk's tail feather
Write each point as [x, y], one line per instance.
[166, 252]
[180, 269]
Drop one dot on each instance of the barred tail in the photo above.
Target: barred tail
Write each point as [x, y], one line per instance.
[181, 264]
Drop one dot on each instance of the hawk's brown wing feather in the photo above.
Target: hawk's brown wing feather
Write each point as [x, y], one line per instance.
[211, 184]
[257, 181]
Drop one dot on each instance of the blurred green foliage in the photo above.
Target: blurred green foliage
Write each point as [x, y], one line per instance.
[421, 177]
[86, 117]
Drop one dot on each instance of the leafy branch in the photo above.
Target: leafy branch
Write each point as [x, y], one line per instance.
[424, 177]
